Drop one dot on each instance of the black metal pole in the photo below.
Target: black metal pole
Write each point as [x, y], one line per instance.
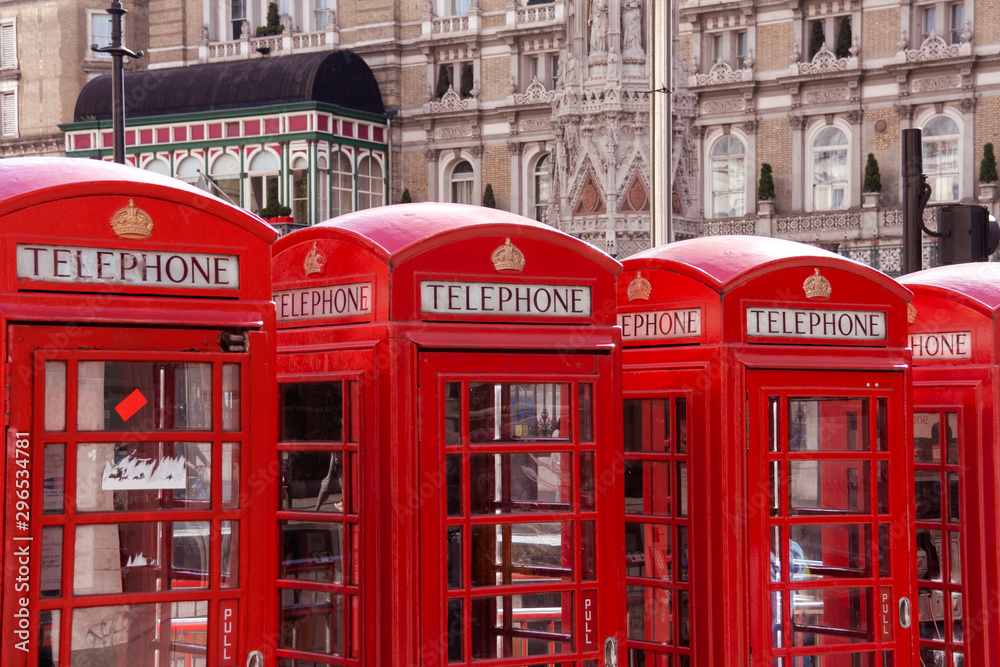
[118, 53]
[916, 193]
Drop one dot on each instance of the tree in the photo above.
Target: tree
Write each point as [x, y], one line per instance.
[844, 38]
[816, 39]
[765, 187]
[988, 165]
[444, 82]
[873, 181]
[405, 199]
[489, 201]
[467, 82]
[273, 26]
[274, 208]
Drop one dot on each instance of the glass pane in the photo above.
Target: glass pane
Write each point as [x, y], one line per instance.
[647, 425]
[926, 441]
[833, 659]
[682, 554]
[54, 483]
[55, 396]
[955, 552]
[312, 481]
[521, 625]
[930, 610]
[586, 481]
[956, 616]
[827, 424]
[647, 487]
[312, 551]
[353, 532]
[353, 487]
[681, 405]
[230, 554]
[882, 424]
[520, 483]
[776, 551]
[139, 476]
[831, 616]
[773, 428]
[777, 620]
[142, 396]
[588, 550]
[169, 633]
[650, 614]
[929, 555]
[230, 475]
[774, 488]
[231, 397]
[952, 438]
[829, 551]
[354, 407]
[928, 495]
[453, 475]
[883, 487]
[828, 487]
[312, 412]
[884, 551]
[513, 412]
[453, 413]
[50, 585]
[48, 638]
[954, 501]
[932, 657]
[647, 550]
[312, 621]
[141, 557]
[682, 490]
[585, 408]
[455, 626]
[454, 549]
[684, 613]
[521, 553]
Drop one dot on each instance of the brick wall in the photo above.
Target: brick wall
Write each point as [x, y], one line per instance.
[774, 47]
[495, 78]
[414, 82]
[885, 147]
[494, 21]
[880, 34]
[987, 129]
[414, 176]
[986, 23]
[411, 10]
[495, 5]
[496, 171]
[774, 146]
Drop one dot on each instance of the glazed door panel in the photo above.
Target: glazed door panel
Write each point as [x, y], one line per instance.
[830, 535]
[519, 547]
[125, 457]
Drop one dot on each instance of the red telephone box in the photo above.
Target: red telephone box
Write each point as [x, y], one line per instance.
[441, 369]
[956, 376]
[135, 316]
[765, 436]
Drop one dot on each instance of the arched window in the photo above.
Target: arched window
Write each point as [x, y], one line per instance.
[370, 183]
[940, 138]
[158, 166]
[322, 188]
[463, 183]
[829, 160]
[728, 178]
[189, 169]
[226, 175]
[343, 184]
[300, 190]
[263, 180]
[541, 187]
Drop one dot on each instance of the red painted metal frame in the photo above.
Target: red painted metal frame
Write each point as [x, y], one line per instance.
[720, 276]
[966, 298]
[70, 202]
[395, 248]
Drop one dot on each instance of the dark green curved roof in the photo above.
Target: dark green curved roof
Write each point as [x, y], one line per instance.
[335, 77]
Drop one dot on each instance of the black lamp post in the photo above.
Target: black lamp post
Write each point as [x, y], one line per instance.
[117, 52]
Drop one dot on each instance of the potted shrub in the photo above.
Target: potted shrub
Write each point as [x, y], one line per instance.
[273, 26]
[489, 201]
[275, 212]
[988, 175]
[406, 198]
[765, 191]
[873, 183]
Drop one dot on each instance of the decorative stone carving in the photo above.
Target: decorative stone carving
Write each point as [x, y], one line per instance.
[204, 35]
[632, 30]
[968, 104]
[453, 132]
[450, 101]
[905, 111]
[245, 29]
[823, 62]
[854, 116]
[476, 150]
[598, 23]
[936, 83]
[535, 94]
[823, 95]
[432, 154]
[533, 124]
[933, 48]
[728, 105]
[798, 123]
[721, 72]
[515, 147]
[750, 126]
[819, 222]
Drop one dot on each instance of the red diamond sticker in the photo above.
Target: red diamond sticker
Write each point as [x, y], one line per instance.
[131, 405]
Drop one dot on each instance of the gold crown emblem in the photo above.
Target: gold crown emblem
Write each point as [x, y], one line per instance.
[315, 261]
[639, 288]
[132, 222]
[911, 314]
[817, 287]
[508, 258]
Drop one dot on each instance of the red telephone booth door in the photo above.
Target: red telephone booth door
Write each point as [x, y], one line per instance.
[519, 524]
[124, 514]
[828, 489]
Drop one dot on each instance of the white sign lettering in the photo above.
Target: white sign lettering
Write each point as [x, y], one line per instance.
[457, 298]
[807, 323]
[135, 474]
[944, 345]
[326, 301]
[682, 323]
[111, 266]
